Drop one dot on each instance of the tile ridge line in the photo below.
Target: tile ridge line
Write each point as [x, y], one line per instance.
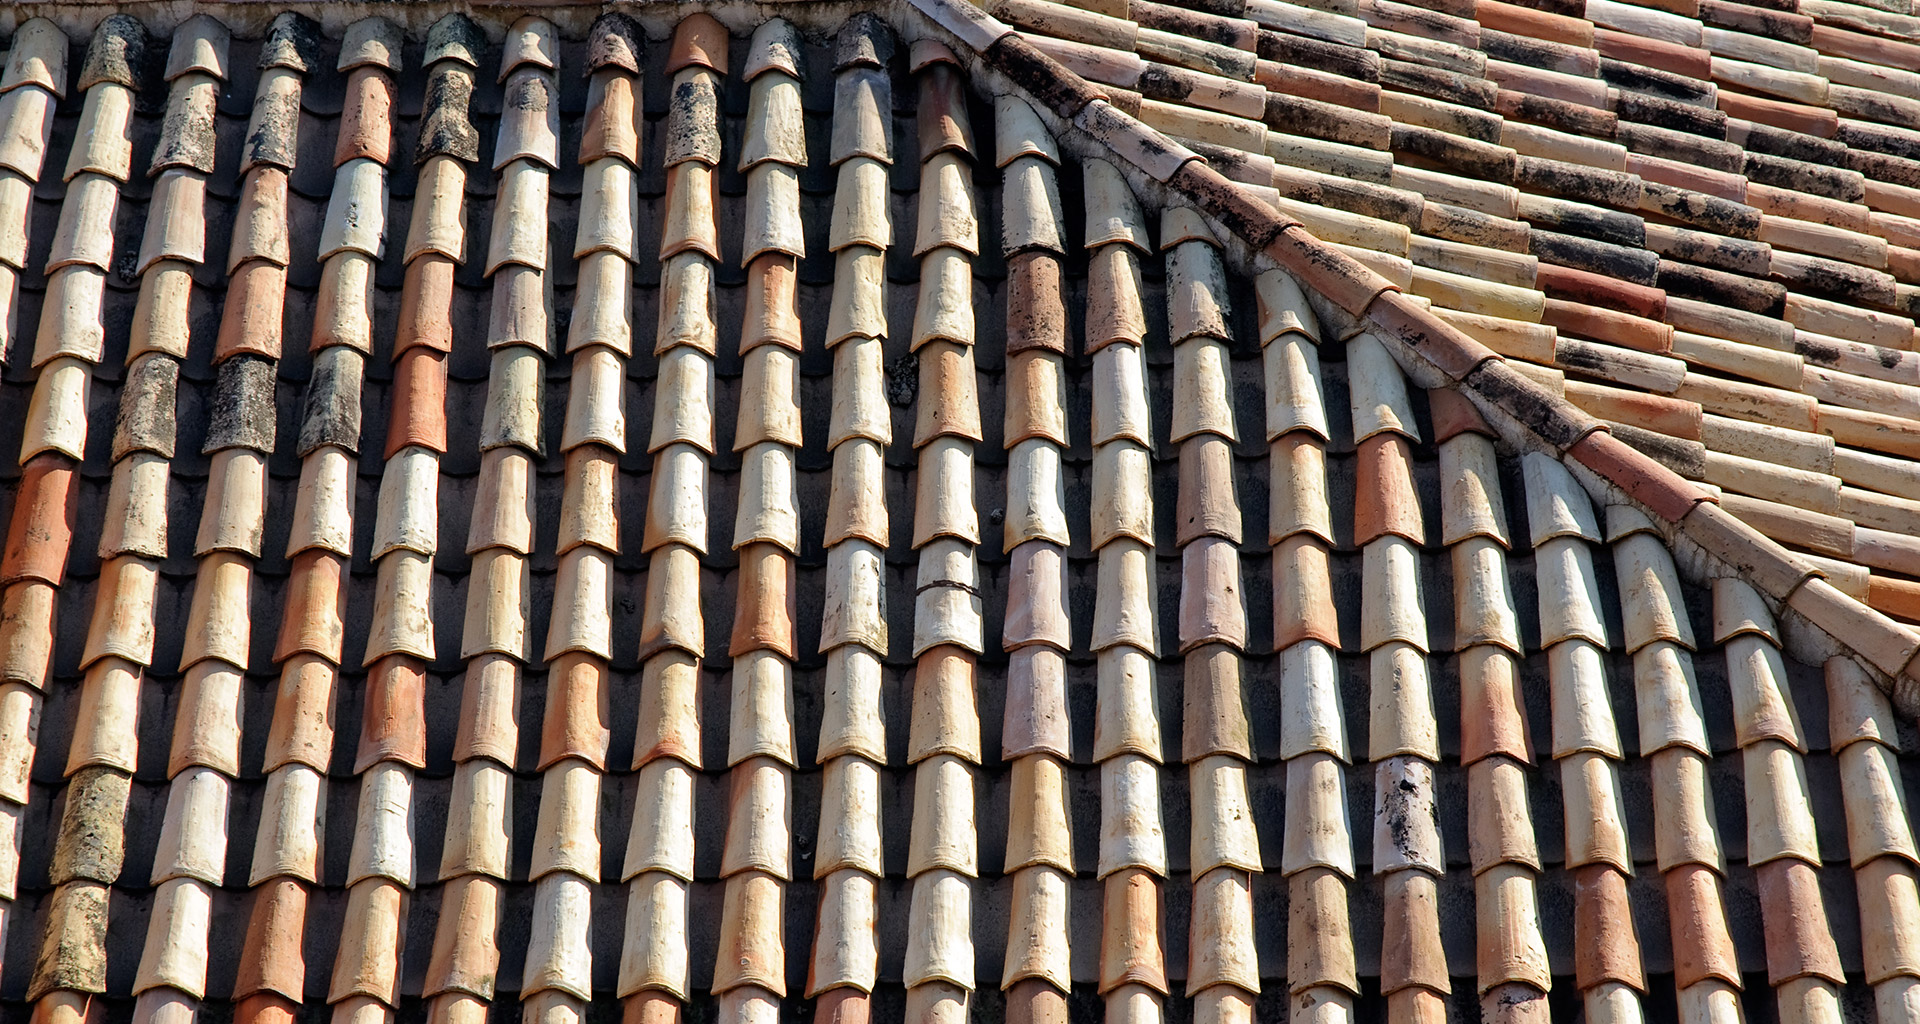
[1707, 542]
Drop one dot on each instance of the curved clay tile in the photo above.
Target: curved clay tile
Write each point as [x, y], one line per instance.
[1750, 341]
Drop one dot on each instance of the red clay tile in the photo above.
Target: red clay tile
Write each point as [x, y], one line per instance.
[846, 1005]
[763, 616]
[1492, 717]
[1888, 902]
[419, 411]
[251, 321]
[1526, 21]
[1313, 84]
[575, 723]
[1385, 498]
[773, 280]
[1794, 117]
[1605, 947]
[1884, 644]
[302, 728]
[1036, 313]
[651, 1007]
[1725, 185]
[1686, 61]
[942, 112]
[260, 230]
[1237, 208]
[1702, 945]
[610, 123]
[1320, 268]
[752, 950]
[259, 1008]
[1320, 935]
[426, 304]
[1785, 202]
[394, 724]
[1035, 715]
[1113, 274]
[1670, 416]
[1411, 954]
[1876, 431]
[1303, 607]
[1115, 125]
[366, 125]
[1454, 414]
[1608, 325]
[1446, 346]
[1647, 481]
[1029, 1001]
[1037, 63]
[1580, 286]
[42, 526]
[465, 955]
[1206, 503]
[313, 608]
[1799, 938]
[927, 52]
[1874, 49]
[1212, 606]
[948, 402]
[1130, 949]
[699, 40]
[272, 958]
[1417, 1006]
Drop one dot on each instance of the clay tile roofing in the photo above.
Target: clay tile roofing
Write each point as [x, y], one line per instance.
[945, 510]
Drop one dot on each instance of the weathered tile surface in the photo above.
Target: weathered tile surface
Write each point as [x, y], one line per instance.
[1601, 571]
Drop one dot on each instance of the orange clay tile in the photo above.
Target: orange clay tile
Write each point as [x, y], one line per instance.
[1897, 597]
[1385, 499]
[366, 130]
[393, 726]
[1799, 939]
[419, 401]
[313, 619]
[426, 300]
[1687, 61]
[1525, 21]
[763, 617]
[575, 723]
[252, 320]
[1618, 328]
[771, 318]
[42, 526]
[273, 962]
[1796, 117]
[1580, 286]
[1649, 482]
[1036, 315]
[1605, 946]
[1303, 607]
[1453, 414]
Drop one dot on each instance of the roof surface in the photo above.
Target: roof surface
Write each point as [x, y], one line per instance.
[1343, 512]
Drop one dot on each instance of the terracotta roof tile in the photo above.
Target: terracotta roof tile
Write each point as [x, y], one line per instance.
[1758, 354]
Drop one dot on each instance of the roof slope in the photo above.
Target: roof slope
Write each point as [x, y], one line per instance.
[1404, 468]
[1773, 440]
